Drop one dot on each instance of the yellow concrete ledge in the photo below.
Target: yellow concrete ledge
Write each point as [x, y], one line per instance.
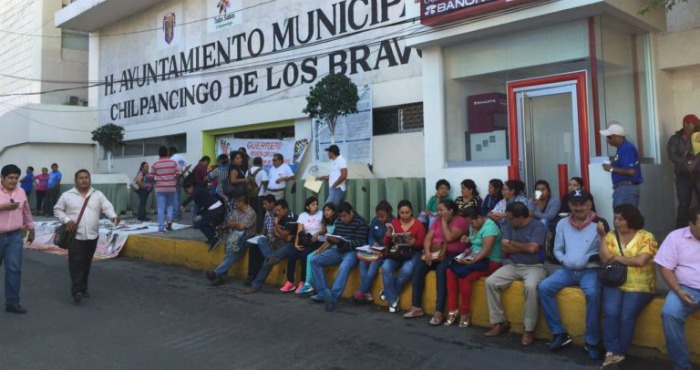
[649, 332]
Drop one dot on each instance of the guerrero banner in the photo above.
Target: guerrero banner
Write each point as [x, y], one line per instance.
[292, 151]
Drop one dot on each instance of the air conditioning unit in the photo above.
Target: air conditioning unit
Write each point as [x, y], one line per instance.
[73, 100]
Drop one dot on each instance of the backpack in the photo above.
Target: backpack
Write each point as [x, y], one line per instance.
[251, 187]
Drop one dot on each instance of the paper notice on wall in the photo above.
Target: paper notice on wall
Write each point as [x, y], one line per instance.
[353, 133]
[292, 151]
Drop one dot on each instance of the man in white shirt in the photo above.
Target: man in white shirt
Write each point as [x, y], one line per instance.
[82, 249]
[280, 173]
[184, 166]
[338, 175]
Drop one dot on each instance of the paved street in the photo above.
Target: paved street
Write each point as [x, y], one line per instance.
[144, 315]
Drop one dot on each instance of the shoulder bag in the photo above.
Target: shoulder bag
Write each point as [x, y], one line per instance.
[615, 274]
[62, 236]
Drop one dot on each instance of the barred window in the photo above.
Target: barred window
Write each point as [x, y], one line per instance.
[398, 119]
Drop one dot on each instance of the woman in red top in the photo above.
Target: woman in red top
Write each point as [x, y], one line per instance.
[448, 230]
[405, 223]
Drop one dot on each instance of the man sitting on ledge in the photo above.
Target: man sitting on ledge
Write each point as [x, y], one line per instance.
[351, 231]
[679, 262]
[576, 246]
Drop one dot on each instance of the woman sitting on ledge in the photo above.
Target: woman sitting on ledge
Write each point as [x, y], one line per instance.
[542, 205]
[469, 198]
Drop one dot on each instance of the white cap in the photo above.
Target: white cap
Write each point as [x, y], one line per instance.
[614, 128]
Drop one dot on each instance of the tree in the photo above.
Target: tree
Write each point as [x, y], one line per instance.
[111, 137]
[657, 4]
[333, 96]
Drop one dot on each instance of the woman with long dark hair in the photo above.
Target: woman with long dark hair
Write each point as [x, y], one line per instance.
[144, 180]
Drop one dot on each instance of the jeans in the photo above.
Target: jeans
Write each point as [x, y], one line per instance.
[620, 311]
[368, 271]
[176, 201]
[80, 253]
[143, 199]
[587, 279]
[331, 257]
[165, 200]
[335, 196]
[11, 249]
[673, 316]
[685, 186]
[420, 270]
[210, 219]
[230, 258]
[626, 194]
[393, 285]
[287, 251]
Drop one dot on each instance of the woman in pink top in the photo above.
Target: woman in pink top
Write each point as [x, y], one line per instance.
[448, 229]
[42, 185]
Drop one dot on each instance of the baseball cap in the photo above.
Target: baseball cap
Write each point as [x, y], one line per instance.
[691, 118]
[614, 128]
[333, 149]
[580, 195]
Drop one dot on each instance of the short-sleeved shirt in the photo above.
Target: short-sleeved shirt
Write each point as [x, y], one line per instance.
[336, 165]
[639, 279]
[165, 172]
[533, 232]
[463, 204]
[260, 177]
[627, 157]
[28, 183]
[680, 252]
[278, 172]
[433, 203]
[181, 161]
[312, 223]
[489, 228]
[54, 178]
[42, 182]
[438, 236]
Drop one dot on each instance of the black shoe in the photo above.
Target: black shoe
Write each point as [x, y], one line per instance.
[169, 226]
[15, 308]
[560, 341]
[593, 351]
[77, 297]
[211, 276]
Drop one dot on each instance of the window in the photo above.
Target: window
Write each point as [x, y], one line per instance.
[75, 40]
[398, 119]
[150, 146]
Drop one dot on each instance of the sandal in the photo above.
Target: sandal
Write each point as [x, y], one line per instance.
[413, 313]
[437, 319]
[451, 317]
[464, 321]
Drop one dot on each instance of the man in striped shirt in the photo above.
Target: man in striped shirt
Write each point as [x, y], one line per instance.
[166, 172]
[351, 231]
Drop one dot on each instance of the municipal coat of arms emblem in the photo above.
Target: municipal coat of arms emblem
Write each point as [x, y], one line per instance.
[169, 27]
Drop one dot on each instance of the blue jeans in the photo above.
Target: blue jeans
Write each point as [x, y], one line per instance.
[626, 194]
[673, 316]
[620, 311]
[420, 270]
[335, 196]
[11, 253]
[393, 285]
[331, 257]
[176, 201]
[685, 186]
[143, 199]
[229, 259]
[165, 200]
[368, 271]
[284, 252]
[587, 279]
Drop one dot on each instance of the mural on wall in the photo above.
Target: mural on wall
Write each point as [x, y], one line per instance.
[258, 53]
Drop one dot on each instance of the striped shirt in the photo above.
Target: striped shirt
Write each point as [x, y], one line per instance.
[165, 171]
[355, 232]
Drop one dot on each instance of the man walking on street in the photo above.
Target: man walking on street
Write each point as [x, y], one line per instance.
[337, 176]
[679, 147]
[54, 189]
[82, 249]
[625, 167]
[15, 214]
[678, 259]
[166, 173]
[183, 165]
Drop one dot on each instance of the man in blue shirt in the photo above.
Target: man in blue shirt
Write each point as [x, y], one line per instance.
[625, 167]
[27, 182]
[54, 189]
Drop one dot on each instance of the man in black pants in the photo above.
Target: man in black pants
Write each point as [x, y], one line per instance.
[68, 210]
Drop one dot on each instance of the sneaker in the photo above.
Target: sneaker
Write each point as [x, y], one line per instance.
[368, 298]
[382, 296]
[301, 285]
[211, 275]
[306, 289]
[288, 287]
[169, 226]
[593, 351]
[394, 308]
[318, 298]
[611, 359]
[560, 341]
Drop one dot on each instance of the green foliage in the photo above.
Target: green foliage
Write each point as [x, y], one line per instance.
[332, 97]
[660, 4]
[110, 136]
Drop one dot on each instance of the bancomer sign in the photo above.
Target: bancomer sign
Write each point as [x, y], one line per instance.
[434, 12]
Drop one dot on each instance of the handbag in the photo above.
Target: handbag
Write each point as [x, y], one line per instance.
[232, 190]
[615, 274]
[399, 252]
[63, 237]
